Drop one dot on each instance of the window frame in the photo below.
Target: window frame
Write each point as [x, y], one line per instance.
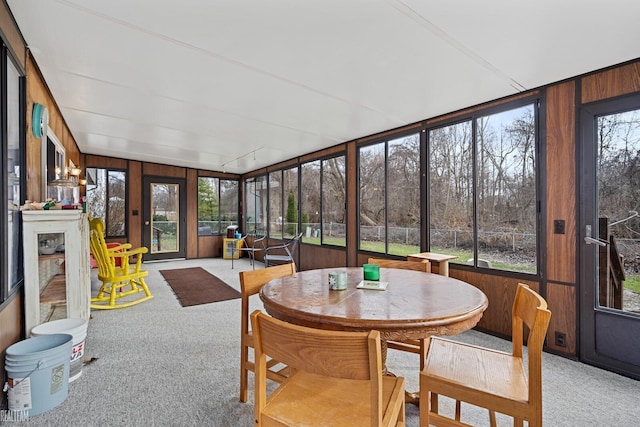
[278, 228]
[219, 188]
[419, 133]
[283, 202]
[252, 225]
[538, 115]
[321, 191]
[9, 290]
[126, 200]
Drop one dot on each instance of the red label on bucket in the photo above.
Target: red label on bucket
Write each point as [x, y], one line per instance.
[77, 351]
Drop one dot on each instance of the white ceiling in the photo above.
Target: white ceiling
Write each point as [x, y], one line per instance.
[212, 84]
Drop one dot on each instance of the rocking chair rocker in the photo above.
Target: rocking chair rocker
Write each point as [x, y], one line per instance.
[118, 278]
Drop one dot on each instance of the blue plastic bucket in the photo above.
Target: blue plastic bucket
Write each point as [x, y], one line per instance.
[38, 373]
[74, 327]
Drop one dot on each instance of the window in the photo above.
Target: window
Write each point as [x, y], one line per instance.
[310, 204]
[483, 190]
[276, 221]
[13, 187]
[217, 205]
[334, 181]
[323, 203]
[255, 206]
[617, 168]
[290, 193]
[106, 193]
[390, 196]
[12, 162]
[53, 158]
[283, 203]
[451, 190]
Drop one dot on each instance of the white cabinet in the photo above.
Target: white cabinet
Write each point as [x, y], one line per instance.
[74, 225]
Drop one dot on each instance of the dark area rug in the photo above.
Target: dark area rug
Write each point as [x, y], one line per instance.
[194, 286]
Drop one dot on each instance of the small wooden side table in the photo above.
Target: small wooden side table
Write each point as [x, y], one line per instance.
[441, 259]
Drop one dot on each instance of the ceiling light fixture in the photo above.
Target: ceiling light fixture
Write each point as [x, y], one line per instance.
[241, 160]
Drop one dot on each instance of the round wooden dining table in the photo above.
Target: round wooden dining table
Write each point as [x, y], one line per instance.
[414, 305]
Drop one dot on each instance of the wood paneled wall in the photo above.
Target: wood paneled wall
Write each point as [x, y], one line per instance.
[11, 319]
[135, 204]
[617, 81]
[38, 92]
[563, 304]
[501, 292]
[560, 178]
[313, 256]
[192, 214]
[560, 191]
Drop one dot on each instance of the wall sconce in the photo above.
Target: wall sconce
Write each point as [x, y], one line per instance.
[74, 175]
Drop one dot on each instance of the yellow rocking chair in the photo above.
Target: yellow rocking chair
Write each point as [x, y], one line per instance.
[119, 279]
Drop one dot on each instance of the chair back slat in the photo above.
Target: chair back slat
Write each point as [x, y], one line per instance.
[106, 264]
[530, 310]
[323, 364]
[328, 353]
[252, 281]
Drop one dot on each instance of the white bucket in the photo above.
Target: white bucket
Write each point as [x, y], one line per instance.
[74, 327]
[38, 372]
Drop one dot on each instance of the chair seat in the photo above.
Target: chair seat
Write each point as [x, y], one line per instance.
[283, 258]
[482, 373]
[482, 369]
[314, 400]
[284, 253]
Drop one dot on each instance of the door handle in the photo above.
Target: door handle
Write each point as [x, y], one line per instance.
[592, 241]
[146, 223]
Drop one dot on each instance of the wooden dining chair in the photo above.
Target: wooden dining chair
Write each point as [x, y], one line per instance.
[336, 378]
[250, 284]
[488, 378]
[417, 346]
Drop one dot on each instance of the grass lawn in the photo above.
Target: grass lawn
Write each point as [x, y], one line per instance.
[633, 283]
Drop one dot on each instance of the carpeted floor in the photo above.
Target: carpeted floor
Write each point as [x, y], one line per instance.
[159, 364]
[195, 286]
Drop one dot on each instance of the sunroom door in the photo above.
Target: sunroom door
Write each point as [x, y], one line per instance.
[164, 210]
[610, 239]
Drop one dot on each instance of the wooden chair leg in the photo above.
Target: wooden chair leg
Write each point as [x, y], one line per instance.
[458, 411]
[244, 374]
[426, 406]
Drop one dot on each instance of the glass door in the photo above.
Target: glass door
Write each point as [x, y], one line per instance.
[610, 238]
[164, 218]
